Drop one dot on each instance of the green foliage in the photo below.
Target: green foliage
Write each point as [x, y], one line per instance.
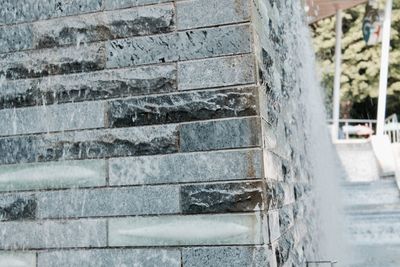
[361, 63]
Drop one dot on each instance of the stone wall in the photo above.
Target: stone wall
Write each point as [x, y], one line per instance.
[152, 133]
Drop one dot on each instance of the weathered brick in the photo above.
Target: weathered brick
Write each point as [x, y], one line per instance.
[52, 118]
[149, 140]
[183, 107]
[221, 134]
[191, 167]
[185, 230]
[202, 13]
[215, 72]
[53, 234]
[17, 207]
[63, 174]
[222, 197]
[108, 202]
[104, 26]
[38, 63]
[227, 40]
[110, 257]
[226, 256]
[88, 86]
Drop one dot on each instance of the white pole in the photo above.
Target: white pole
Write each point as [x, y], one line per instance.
[384, 68]
[336, 88]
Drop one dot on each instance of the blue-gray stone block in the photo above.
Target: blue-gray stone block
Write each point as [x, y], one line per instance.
[183, 107]
[220, 134]
[52, 118]
[20, 259]
[148, 140]
[110, 258]
[237, 256]
[90, 86]
[191, 167]
[14, 38]
[39, 63]
[17, 207]
[108, 202]
[104, 26]
[117, 4]
[215, 72]
[203, 13]
[227, 40]
[53, 234]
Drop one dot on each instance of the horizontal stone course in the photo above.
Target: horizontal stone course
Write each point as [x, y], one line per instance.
[117, 4]
[228, 40]
[89, 86]
[45, 62]
[53, 118]
[175, 230]
[110, 257]
[190, 167]
[90, 144]
[210, 12]
[222, 197]
[216, 72]
[108, 202]
[62, 174]
[53, 234]
[221, 134]
[183, 107]
[20, 259]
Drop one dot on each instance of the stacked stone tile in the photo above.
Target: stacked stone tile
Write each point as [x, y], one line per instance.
[151, 133]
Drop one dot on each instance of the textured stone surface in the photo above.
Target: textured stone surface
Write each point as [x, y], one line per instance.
[222, 197]
[210, 12]
[147, 140]
[63, 174]
[111, 257]
[185, 230]
[31, 64]
[226, 256]
[14, 207]
[103, 26]
[52, 118]
[88, 86]
[273, 222]
[14, 38]
[183, 107]
[216, 72]
[16, 11]
[108, 202]
[179, 46]
[192, 167]
[116, 4]
[53, 234]
[20, 259]
[222, 134]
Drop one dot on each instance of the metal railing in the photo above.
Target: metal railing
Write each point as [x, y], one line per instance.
[392, 128]
[348, 127]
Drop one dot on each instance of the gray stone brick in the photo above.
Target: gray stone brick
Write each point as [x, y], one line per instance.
[22, 259]
[31, 64]
[183, 107]
[16, 38]
[116, 4]
[216, 72]
[227, 40]
[52, 118]
[226, 256]
[110, 258]
[192, 167]
[202, 13]
[104, 26]
[222, 197]
[53, 234]
[148, 140]
[63, 174]
[274, 228]
[223, 229]
[88, 86]
[108, 202]
[17, 207]
[221, 134]
[17, 11]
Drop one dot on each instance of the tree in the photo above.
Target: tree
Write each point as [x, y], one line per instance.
[360, 65]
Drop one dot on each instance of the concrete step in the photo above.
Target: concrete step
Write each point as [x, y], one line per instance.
[376, 256]
[383, 191]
